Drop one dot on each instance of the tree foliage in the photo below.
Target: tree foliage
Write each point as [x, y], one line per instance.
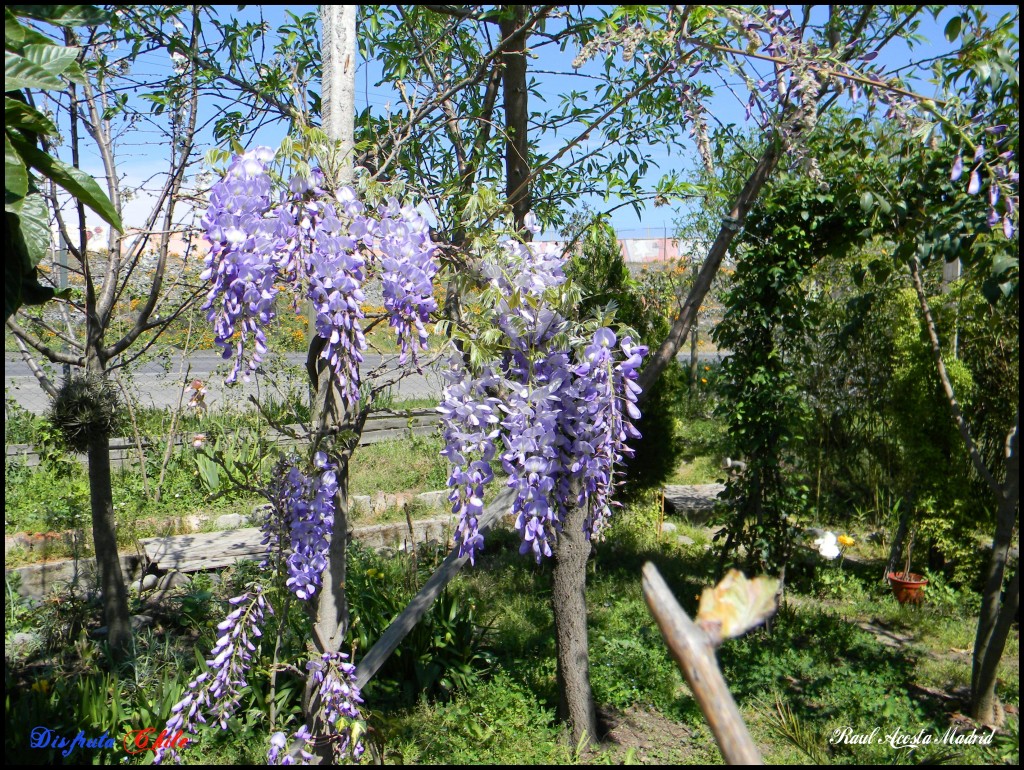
[35, 62]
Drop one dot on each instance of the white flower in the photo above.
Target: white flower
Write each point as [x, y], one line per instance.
[179, 61]
[198, 440]
[827, 545]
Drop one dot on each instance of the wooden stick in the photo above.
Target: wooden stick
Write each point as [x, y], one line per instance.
[417, 608]
[695, 654]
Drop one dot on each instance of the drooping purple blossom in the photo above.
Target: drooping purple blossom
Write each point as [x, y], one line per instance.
[958, 169]
[303, 507]
[241, 298]
[407, 274]
[567, 413]
[323, 245]
[216, 692]
[339, 704]
[470, 419]
[279, 753]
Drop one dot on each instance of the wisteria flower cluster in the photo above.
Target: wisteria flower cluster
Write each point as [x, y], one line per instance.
[558, 417]
[407, 272]
[322, 245]
[470, 419]
[279, 754]
[996, 167]
[339, 699]
[802, 75]
[339, 702]
[216, 691]
[303, 507]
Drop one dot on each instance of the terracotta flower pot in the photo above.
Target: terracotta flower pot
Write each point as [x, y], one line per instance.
[907, 587]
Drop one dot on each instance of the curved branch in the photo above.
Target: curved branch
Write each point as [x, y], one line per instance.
[55, 356]
[44, 382]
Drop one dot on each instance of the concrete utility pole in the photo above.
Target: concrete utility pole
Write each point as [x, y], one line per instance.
[331, 410]
[338, 50]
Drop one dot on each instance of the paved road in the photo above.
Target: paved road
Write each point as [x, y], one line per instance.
[158, 383]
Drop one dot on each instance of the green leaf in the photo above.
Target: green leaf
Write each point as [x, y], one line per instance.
[1002, 263]
[15, 176]
[34, 221]
[63, 15]
[75, 181]
[55, 59]
[21, 117]
[953, 28]
[20, 73]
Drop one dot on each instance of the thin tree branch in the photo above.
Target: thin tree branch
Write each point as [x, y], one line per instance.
[947, 386]
[44, 382]
[56, 356]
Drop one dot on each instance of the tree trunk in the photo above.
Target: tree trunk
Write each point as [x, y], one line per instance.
[731, 225]
[332, 412]
[575, 699]
[896, 547]
[104, 536]
[693, 357]
[517, 115]
[994, 621]
[984, 704]
[338, 49]
[991, 637]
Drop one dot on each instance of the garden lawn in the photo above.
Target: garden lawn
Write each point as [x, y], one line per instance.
[475, 682]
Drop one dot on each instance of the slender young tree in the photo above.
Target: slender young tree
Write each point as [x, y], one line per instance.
[92, 113]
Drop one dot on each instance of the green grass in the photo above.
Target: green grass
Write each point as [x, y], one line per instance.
[402, 465]
[702, 469]
[703, 450]
[500, 722]
[813, 658]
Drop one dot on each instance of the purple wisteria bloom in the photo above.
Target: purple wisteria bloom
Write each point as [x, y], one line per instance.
[217, 690]
[407, 273]
[339, 703]
[567, 414]
[470, 419]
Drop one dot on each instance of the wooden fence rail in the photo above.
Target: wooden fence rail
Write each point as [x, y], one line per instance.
[381, 426]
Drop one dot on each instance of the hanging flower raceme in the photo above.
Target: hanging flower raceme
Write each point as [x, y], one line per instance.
[339, 705]
[567, 414]
[217, 690]
[339, 699]
[601, 421]
[302, 514]
[407, 272]
[324, 246]
[532, 458]
[470, 419]
[241, 298]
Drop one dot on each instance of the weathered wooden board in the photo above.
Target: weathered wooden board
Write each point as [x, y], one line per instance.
[213, 550]
[417, 608]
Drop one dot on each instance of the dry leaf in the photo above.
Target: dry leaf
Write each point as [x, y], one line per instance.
[736, 605]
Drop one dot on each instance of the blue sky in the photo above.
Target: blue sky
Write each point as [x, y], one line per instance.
[137, 160]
